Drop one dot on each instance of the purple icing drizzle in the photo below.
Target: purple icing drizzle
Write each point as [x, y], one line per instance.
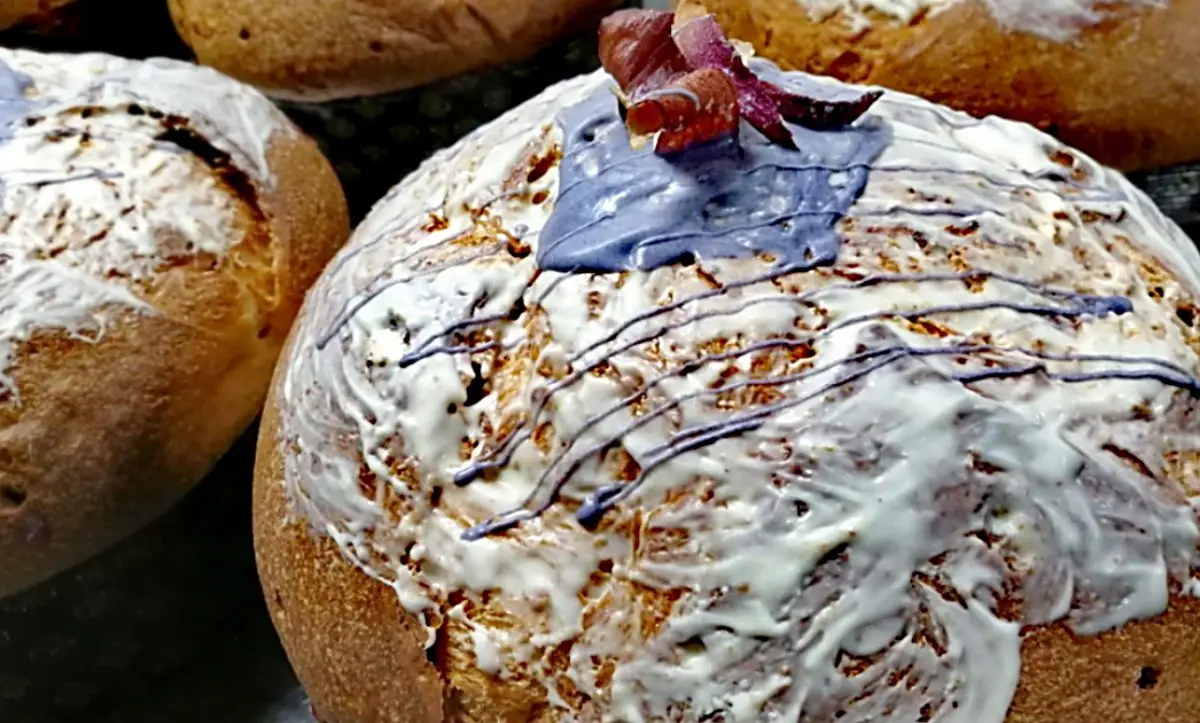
[620, 209]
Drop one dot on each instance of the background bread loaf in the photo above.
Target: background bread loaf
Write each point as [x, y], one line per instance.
[134, 29]
[35, 12]
[1114, 79]
[162, 223]
[955, 534]
[315, 50]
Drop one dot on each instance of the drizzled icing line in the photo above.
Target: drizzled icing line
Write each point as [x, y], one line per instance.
[1059, 20]
[96, 194]
[933, 429]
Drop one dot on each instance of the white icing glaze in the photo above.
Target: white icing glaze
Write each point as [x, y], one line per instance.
[93, 202]
[1053, 19]
[905, 522]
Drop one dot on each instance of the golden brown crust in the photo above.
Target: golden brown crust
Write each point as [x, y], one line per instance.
[360, 656]
[314, 50]
[108, 435]
[1122, 91]
[1146, 672]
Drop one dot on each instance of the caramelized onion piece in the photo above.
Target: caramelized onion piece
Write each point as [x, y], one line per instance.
[637, 51]
[700, 106]
[683, 80]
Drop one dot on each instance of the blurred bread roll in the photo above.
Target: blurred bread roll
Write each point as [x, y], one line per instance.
[161, 225]
[900, 425]
[1115, 79]
[37, 12]
[319, 50]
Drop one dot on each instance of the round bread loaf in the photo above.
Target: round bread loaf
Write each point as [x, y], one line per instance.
[897, 426]
[319, 50]
[161, 225]
[1114, 79]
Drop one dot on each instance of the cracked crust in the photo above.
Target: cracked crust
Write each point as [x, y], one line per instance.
[318, 51]
[1120, 91]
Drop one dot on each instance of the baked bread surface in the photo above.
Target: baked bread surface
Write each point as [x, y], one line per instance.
[1114, 79]
[161, 224]
[318, 50]
[969, 499]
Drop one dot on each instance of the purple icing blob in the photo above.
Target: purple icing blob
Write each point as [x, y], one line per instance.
[620, 209]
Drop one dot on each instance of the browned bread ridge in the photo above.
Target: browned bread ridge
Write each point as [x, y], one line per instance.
[1121, 89]
[316, 50]
[164, 223]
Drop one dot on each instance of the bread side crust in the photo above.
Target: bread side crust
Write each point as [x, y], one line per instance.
[1121, 91]
[359, 654]
[316, 51]
[107, 435]
[1145, 672]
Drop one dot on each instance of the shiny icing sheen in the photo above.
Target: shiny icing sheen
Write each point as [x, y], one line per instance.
[1057, 20]
[93, 187]
[743, 480]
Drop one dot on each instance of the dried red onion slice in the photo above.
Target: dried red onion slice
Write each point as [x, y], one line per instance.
[697, 107]
[637, 51]
[664, 64]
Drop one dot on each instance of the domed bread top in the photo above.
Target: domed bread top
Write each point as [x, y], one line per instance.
[748, 434]
[160, 226]
[100, 158]
[1051, 19]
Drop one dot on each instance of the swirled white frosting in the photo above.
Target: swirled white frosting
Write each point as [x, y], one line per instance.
[97, 196]
[876, 546]
[1054, 19]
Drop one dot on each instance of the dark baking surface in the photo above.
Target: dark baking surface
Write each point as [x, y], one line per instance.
[169, 626]
[177, 605]
[1177, 192]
